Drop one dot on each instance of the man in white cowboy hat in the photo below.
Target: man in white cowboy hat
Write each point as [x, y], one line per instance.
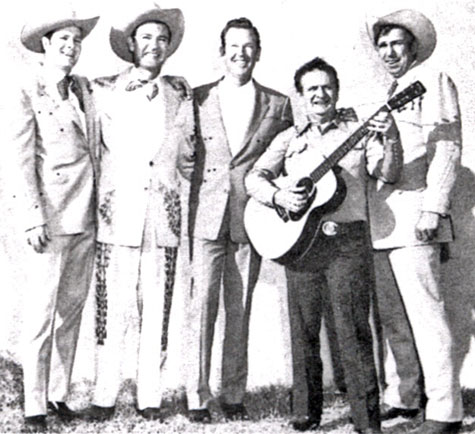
[238, 118]
[410, 223]
[53, 137]
[138, 206]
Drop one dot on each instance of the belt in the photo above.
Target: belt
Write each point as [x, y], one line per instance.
[331, 229]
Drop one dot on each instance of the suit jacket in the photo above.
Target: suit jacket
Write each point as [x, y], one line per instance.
[217, 177]
[430, 130]
[53, 156]
[138, 157]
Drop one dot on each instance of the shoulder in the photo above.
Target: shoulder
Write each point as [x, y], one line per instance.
[202, 92]
[271, 93]
[106, 82]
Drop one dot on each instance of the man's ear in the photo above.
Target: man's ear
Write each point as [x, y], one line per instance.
[258, 54]
[45, 42]
[130, 44]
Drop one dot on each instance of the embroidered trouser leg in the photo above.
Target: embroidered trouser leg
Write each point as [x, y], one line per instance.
[417, 270]
[236, 267]
[58, 283]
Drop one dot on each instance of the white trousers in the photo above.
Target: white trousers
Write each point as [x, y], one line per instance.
[235, 267]
[58, 283]
[416, 273]
[143, 278]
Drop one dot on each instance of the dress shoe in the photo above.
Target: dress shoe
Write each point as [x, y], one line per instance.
[201, 415]
[436, 427]
[305, 424]
[234, 411]
[370, 431]
[61, 410]
[96, 413]
[33, 424]
[394, 412]
[151, 413]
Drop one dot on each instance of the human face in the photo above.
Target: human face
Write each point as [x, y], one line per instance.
[150, 46]
[240, 54]
[394, 49]
[63, 48]
[320, 94]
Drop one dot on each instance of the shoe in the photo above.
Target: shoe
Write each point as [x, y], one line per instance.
[436, 427]
[151, 413]
[305, 424]
[201, 415]
[370, 431]
[394, 412]
[234, 411]
[33, 424]
[61, 410]
[96, 413]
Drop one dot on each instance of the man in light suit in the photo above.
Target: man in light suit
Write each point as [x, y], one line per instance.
[52, 154]
[138, 206]
[410, 220]
[236, 120]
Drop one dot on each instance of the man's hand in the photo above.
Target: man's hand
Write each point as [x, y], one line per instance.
[383, 123]
[180, 85]
[291, 198]
[427, 225]
[38, 238]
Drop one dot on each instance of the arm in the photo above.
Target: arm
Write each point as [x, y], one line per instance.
[180, 85]
[185, 134]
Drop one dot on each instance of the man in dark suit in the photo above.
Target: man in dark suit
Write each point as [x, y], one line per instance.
[52, 143]
[236, 120]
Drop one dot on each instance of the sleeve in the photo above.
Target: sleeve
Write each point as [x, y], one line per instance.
[22, 170]
[287, 114]
[384, 158]
[185, 133]
[443, 132]
[270, 164]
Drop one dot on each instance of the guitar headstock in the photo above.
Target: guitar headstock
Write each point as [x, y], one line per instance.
[411, 92]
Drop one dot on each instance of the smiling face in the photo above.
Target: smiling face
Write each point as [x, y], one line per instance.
[241, 53]
[396, 50]
[63, 47]
[149, 46]
[320, 93]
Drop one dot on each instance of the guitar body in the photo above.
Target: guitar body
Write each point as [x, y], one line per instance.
[289, 238]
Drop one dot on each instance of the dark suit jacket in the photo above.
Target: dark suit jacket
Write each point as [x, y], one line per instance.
[217, 177]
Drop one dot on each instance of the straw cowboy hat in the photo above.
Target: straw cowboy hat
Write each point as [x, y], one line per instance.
[58, 18]
[414, 21]
[173, 18]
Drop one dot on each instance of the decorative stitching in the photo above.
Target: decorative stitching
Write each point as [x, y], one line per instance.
[170, 269]
[103, 253]
[105, 208]
[173, 209]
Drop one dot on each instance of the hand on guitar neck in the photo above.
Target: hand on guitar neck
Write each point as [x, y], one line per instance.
[383, 123]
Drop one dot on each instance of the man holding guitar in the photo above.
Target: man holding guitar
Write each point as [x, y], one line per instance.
[410, 222]
[340, 262]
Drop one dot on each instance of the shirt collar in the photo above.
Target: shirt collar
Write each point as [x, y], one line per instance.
[135, 73]
[342, 115]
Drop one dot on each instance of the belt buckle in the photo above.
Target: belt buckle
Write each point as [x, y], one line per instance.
[330, 229]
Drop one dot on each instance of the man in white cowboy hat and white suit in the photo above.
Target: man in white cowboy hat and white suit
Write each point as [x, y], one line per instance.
[138, 206]
[410, 221]
[52, 143]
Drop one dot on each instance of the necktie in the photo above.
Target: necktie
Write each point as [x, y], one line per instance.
[70, 82]
[137, 84]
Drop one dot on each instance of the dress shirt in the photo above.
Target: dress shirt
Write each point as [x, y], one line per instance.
[237, 107]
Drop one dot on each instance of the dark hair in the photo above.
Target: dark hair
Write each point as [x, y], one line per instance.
[386, 28]
[132, 35]
[239, 23]
[315, 64]
[50, 33]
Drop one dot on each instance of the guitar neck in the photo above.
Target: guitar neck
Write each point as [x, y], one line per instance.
[333, 159]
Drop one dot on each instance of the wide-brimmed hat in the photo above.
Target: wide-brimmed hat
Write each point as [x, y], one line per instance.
[39, 26]
[120, 33]
[414, 21]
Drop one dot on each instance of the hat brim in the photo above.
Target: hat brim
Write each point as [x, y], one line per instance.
[414, 21]
[31, 35]
[173, 18]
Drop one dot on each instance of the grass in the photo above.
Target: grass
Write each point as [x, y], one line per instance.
[269, 410]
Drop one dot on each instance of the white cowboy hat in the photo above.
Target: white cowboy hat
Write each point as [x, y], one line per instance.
[173, 18]
[414, 21]
[32, 32]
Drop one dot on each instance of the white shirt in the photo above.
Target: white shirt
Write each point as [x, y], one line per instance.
[237, 108]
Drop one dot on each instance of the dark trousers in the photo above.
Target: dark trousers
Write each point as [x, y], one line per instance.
[343, 275]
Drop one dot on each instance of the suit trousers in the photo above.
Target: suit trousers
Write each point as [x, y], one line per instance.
[139, 278]
[235, 267]
[413, 272]
[58, 283]
[344, 277]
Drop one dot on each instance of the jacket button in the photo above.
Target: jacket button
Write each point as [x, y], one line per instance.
[151, 163]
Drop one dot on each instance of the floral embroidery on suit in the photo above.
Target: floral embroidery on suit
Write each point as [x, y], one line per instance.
[103, 252]
[105, 208]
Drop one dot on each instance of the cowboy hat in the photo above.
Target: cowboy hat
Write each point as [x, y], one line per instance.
[32, 32]
[173, 18]
[414, 21]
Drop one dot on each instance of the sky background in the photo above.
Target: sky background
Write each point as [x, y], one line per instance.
[292, 32]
